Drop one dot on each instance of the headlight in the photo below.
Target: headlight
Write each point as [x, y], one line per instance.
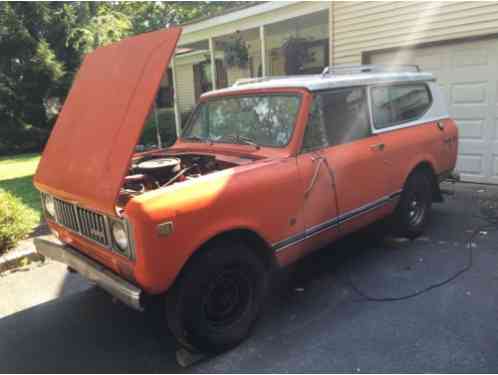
[50, 205]
[120, 236]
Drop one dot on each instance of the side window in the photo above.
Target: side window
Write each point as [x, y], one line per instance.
[394, 105]
[346, 115]
[315, 136]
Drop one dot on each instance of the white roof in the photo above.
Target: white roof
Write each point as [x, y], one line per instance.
[321, 82]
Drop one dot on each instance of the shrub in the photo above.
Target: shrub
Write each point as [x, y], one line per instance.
[16, 220]
[19, 138]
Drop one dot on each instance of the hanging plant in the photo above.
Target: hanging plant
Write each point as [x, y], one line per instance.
[236, 53]
[297, 54]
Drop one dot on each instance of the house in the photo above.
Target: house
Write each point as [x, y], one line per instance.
[456, 41]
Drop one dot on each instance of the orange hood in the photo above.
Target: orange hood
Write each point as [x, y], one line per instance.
[89, 150]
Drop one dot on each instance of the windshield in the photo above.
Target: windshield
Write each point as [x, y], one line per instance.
[266, 120]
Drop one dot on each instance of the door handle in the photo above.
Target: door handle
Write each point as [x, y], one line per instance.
[378, 147]
[315, 158]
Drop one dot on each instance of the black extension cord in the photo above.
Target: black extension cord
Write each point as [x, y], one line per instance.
[492, 223]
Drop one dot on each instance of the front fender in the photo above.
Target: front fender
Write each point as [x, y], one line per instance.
[264, 197]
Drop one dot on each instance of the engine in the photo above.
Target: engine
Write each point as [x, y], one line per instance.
[157, 171]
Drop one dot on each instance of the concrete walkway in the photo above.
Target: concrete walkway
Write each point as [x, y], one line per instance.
[36, 284]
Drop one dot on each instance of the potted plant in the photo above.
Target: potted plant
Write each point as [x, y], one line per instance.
[236, 53]
[296, 54]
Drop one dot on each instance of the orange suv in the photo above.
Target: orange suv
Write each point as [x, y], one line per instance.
[265, 172]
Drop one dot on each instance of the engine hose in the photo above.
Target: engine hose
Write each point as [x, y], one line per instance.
[175, 177]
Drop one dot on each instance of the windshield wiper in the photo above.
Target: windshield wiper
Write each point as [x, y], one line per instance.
[248, 141]
[194, 138]
[240, 139]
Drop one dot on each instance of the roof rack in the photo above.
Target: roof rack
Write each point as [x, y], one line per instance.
[356, 69]
[245, 81]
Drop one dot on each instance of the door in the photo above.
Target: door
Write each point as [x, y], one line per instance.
[468, 75]
[320, 205]
[355, 158]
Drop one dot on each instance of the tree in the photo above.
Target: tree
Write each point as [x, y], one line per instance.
[107, 26]
[42, 45]
[150, 16]
[30, 71]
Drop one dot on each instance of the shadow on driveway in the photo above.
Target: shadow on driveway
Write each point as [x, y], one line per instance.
[86, 333]
[314, 322]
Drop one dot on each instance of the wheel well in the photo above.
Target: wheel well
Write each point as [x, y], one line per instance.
[428, 168]
[257, 244]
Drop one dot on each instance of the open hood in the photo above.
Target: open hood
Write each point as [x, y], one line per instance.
[89, 150]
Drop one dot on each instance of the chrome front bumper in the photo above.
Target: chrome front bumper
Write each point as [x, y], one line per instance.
[107, 280]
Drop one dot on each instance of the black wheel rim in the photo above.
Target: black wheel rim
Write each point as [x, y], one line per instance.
[227, 298]
[416, 209]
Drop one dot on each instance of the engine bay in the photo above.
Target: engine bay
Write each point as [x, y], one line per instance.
[152, 172]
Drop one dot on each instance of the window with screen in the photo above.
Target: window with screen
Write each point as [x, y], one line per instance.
[398, 104]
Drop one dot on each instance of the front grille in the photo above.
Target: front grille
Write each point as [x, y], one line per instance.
[92, 225]
[66, 215]
[80, 220]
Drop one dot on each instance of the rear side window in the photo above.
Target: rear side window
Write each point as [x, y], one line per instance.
[395, 105]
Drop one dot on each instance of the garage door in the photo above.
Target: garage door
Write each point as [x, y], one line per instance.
[468, 75]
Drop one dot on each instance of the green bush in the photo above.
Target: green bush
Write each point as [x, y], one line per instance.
[20, 138]
[16, 220]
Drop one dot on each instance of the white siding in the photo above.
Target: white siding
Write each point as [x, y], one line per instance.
[185, 87]
[359, 27]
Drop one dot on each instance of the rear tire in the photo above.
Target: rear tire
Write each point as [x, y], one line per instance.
[412, 212]
[217, 298]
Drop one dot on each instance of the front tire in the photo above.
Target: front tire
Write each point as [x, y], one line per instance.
[412, 212]
[217, 298]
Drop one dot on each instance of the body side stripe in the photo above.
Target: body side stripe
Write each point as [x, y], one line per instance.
[334, 222]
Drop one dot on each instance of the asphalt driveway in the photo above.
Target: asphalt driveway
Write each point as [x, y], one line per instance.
[314, 321]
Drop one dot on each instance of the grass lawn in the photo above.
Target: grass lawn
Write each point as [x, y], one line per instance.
[16, 176]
